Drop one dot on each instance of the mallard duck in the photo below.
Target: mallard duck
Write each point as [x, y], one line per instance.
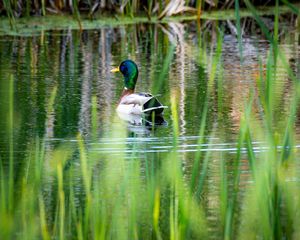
[131, 102]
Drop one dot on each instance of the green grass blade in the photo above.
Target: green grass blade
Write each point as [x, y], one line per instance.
[10, 121]
[238, 25]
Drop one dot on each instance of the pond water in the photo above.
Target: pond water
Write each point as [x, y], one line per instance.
[175, 60]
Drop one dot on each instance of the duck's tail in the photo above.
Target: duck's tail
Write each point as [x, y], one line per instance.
[153, 105]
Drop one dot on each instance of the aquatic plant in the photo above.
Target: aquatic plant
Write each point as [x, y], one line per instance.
[157, 8]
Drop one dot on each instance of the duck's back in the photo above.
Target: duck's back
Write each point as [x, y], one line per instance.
[138, 103]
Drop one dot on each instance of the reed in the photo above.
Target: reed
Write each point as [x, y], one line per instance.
[9, 12]
[131, 8]
[10, 124]
[199, 8]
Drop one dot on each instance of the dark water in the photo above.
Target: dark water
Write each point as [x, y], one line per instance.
[175, 61]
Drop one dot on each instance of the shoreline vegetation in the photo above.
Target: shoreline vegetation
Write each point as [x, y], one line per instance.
[158, 8]
[14, 21]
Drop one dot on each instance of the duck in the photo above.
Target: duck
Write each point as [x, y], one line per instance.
[131, 102]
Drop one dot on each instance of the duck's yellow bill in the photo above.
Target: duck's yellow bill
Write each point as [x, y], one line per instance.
[115, 70]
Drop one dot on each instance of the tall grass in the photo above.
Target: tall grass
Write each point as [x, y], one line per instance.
[130, 8]
[9, 12]
[116, 202]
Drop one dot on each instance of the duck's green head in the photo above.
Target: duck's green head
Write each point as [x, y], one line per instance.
[130, 72]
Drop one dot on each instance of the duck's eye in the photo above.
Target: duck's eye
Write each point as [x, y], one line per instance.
[123, 69]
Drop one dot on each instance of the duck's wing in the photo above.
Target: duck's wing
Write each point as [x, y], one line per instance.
[151, 104]
[136, 99]
[133, 103]
[138, 103]
[130, 109]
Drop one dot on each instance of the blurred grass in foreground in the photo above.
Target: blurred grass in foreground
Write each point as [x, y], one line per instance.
[117, 203]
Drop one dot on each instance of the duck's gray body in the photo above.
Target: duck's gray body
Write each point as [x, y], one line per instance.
[140, 103]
